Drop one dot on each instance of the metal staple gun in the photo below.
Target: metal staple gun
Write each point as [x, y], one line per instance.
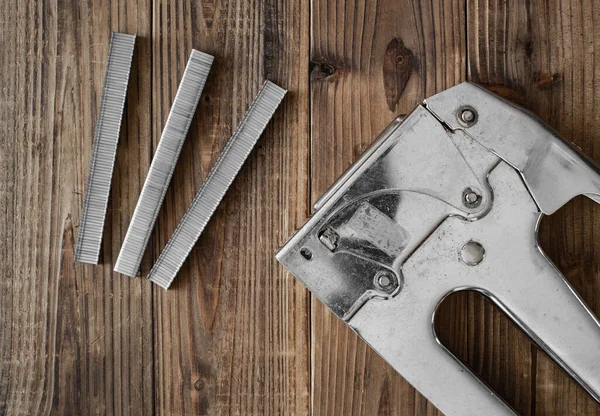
[448, 199]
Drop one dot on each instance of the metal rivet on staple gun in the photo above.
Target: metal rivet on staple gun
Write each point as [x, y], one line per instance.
[471, 198]
[467, 115]
[385, 280]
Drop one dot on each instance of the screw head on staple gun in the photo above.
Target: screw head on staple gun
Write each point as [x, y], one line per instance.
[448, 199]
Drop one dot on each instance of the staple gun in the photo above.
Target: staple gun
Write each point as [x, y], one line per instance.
[447, 199]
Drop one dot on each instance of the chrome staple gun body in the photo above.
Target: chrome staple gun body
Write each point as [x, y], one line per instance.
[448, 199]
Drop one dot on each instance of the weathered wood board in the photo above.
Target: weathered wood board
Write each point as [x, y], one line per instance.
[237, 334]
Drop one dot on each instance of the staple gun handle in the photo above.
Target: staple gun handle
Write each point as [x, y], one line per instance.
[401, 331]
[543, 305]
[517, 275]
[547, 308]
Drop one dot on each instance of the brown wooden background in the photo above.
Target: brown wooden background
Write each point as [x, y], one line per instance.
[237, 334]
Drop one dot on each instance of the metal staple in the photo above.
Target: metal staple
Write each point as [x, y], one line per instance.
[216, 184]
[106, 137]
[163, 163]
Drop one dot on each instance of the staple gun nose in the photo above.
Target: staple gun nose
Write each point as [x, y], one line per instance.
[448, 199]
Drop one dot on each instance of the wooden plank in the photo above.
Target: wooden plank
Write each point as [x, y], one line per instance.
[541, 54]
[73, 339]
[232, 336]
[372, 61]
[232, 333]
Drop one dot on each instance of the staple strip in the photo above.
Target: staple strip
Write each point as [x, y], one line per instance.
[106, 137]
[163, 163]
[216, 184]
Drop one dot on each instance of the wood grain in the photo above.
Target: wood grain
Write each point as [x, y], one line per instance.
[545, 56]
[237, 334]
[232, 333]
[74, 339]
[371, 61]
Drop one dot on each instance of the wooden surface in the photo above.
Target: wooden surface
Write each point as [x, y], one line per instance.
[237, 334]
